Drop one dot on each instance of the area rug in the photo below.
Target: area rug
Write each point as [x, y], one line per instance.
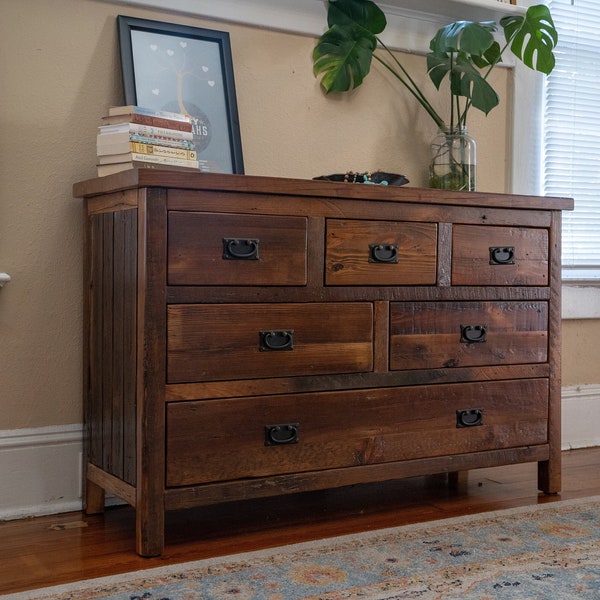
[548, 551]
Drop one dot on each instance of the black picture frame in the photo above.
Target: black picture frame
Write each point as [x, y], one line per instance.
[177, 68]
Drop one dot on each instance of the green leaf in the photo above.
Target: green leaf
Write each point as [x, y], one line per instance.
[343, 57]
[465, 79]
[474, 86]
[364, 13]
[491, 57]
[532, 37]
[344, 52]
[458, 50]
[464, 36]
[438, 66]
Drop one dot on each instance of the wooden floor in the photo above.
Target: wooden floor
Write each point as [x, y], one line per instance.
[62, 548]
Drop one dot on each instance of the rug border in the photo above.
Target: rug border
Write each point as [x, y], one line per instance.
[46, 592]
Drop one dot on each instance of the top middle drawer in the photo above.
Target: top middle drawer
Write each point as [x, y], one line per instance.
[235, 249]
[361, 252]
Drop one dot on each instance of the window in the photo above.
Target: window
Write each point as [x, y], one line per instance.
[571, 140]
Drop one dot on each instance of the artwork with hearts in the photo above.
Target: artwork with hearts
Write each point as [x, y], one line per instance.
[187, 70]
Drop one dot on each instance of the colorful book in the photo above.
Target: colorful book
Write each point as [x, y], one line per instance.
[107, 140]
[147, 130]
[146, 120]
[132, 159]
[104, 170]
[149, 112]
[149, 149]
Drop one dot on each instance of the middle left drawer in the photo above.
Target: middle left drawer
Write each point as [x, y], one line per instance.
[212, 342]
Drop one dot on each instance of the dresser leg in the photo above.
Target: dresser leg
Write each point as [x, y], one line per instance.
[549, 476]
[457, 479]
[150, 532]
[94, 498]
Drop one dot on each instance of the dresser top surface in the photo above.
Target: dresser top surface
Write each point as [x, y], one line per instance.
[164, 178]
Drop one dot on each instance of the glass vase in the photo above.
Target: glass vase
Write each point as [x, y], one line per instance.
[453, 161]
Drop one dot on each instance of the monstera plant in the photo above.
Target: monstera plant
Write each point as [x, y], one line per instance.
[462, 52]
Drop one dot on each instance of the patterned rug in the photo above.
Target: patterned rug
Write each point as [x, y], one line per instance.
[549, 551]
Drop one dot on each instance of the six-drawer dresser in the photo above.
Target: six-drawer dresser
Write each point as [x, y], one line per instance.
[251, 336]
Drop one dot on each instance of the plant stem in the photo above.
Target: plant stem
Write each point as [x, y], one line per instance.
[485, 76]
[408, 82]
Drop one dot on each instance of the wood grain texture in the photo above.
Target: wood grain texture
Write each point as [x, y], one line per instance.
[352, 248]
[471, 263]
[279, 186]
[225, 440]
[358, 356]
[430, 334]
[196, 253]
[219, 342]
[151, 342]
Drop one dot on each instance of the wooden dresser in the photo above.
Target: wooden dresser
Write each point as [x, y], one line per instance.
[250, 336]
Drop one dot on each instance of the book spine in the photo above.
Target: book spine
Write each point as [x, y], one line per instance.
[155, 150]
[150, 121]
[171, 163]
[149, 112]
[164, 160]
[107, 139]
[146, 130]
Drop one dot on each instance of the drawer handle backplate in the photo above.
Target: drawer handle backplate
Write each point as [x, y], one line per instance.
[502, 255]
[473, 334]
[240, 249]
[472, 417]
[276, 340]
[383, 253]
[279, 435]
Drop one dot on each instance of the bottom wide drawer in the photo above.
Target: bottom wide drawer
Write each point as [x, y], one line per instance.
[220, 440]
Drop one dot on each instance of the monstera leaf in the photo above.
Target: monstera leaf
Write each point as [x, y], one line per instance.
[532, 37]
[343, 53]
[464, 52]
[458, 51]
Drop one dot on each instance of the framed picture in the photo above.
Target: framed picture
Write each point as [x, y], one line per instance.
[176, 68]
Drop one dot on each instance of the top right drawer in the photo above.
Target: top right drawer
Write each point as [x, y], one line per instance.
[489, 255]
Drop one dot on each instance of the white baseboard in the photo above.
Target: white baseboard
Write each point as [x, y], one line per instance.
[40, 469]
[580, 416]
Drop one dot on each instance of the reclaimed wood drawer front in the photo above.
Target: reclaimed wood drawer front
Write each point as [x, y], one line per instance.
[231, 249]
[231, 439]
[432, 335]
[488, 255]
[380, 253]
[207, 342]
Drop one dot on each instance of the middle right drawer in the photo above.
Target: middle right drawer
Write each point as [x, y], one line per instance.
[433, 335]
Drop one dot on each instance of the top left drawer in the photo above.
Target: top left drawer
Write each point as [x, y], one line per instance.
[235, 249]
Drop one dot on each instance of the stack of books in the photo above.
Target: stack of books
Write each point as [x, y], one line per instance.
[133, 136]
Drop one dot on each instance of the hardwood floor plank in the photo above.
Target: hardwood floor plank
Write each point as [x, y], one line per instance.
[56, 549]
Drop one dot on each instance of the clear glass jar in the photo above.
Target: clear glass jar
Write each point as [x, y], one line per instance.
[453, 161]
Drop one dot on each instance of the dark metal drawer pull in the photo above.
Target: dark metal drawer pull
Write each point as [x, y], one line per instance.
[383, 253]
[240, 249]
[278, 435]
[502, 255]
[472, 334]
[472, 417]
[276, 340]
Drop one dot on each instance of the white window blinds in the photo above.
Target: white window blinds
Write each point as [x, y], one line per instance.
[571, 145]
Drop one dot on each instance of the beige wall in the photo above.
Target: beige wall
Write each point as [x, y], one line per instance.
[60, 70]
